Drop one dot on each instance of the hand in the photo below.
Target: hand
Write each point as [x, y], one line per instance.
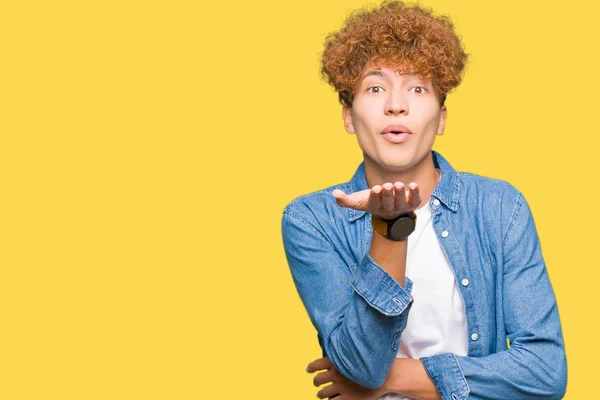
[341, 387]
[385, 201]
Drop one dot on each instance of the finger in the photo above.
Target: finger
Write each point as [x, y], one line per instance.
[387, 198]
[328, 391]
[399, 195]
[323, 378]
[341, 198]
[320, 364]
[375, 199]
[414, 196]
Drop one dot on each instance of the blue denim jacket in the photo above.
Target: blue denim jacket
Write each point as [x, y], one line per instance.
[488, 235]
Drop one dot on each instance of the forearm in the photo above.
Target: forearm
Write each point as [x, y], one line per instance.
[409, 378]
[362, 324]
[390, 255]
[351, 345]
[535, 371]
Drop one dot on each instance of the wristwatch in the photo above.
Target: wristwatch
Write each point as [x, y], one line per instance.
[398, 228]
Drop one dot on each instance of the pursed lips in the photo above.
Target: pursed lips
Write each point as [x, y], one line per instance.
[396, 133]
[397, 128]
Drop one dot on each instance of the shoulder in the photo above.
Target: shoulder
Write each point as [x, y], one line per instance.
[490, 190]
[496, 204]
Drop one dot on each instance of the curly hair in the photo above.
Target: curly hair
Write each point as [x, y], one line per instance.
[409, 38]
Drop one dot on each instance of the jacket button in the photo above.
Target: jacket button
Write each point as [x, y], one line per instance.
[474, 336]
[436, 202]
[465, 282]
[445, 234]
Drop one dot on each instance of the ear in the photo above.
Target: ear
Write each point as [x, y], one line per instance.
[347, 117]
[442, 124]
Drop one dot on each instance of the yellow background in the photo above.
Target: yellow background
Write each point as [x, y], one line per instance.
[148, 149]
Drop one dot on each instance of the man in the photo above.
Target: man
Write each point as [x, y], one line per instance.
[416, 275]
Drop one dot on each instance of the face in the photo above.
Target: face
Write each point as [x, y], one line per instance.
[396, 118]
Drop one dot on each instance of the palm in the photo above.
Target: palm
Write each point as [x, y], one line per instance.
[385, 201]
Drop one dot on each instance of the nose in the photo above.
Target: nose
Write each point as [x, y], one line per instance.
[396, 103]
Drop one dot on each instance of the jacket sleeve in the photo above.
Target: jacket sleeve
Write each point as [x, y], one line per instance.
[534, 367]
[359, 311]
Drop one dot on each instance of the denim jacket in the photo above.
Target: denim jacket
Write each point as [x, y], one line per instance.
[487, 232]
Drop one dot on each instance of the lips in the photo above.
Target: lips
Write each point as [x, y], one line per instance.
[397, 128]
[396, 133]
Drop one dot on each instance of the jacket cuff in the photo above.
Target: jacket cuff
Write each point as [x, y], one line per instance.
[445, 372]
[379, 289]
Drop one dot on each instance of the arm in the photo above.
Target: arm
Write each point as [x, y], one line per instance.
[359, 315]
[389, 254]
[534, 367]
[407, 377]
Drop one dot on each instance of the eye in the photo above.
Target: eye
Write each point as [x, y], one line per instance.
[418, 89]
[375, 89]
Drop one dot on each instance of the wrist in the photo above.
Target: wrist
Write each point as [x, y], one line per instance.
[379, 236]
[383, 390]
[409, 378]
[396, 229]
[393, 381]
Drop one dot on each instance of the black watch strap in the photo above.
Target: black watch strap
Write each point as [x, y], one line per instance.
[398, 228]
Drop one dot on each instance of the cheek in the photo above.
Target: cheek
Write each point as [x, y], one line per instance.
[435, 122]
[359, 120]
[429, 118]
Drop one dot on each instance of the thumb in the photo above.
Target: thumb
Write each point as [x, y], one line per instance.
[341, 198]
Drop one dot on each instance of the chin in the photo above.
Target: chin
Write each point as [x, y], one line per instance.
[395, 165]
[391, 161]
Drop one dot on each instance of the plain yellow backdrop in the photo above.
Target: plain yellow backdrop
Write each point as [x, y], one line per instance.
[148, 149]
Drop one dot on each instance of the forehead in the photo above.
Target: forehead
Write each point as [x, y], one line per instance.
[389, 71]
[390, 74]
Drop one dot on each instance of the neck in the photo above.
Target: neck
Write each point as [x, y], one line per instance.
[424, 174]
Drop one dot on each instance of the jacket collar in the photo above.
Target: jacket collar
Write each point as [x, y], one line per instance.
[445, 191]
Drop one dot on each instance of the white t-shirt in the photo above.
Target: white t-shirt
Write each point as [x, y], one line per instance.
[436, 322]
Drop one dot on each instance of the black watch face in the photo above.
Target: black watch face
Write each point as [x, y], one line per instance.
[402, 228]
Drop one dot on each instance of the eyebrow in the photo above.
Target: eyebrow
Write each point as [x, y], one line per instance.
[378, 72]
[373, 72]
